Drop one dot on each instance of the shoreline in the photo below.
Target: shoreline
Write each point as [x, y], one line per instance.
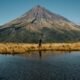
[20, 48]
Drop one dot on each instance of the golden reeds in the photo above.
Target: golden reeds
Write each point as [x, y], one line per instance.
[17, 48]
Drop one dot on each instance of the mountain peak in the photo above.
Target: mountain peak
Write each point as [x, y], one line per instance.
[38, 6]
[37, 21]
[41, 16]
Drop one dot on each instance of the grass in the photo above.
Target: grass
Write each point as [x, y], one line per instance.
[19, 48]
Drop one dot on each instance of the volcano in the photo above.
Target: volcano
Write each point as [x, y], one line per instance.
[39, 23]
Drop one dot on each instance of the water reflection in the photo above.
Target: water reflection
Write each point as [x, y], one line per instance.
[49, 66]
[40, 54]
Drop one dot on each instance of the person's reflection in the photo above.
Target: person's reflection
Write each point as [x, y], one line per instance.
[40, 54]
[70, 51]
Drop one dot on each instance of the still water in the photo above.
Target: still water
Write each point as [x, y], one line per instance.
[40, 66]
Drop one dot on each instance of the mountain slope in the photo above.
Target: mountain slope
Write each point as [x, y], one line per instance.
[39, 23]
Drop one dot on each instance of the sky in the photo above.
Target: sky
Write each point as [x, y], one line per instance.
[11, 9]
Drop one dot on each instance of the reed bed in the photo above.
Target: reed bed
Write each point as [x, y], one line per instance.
[19, 48]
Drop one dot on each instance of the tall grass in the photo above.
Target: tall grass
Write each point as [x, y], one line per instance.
[19, 48]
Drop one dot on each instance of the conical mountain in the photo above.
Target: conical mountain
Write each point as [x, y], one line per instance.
[39, 23]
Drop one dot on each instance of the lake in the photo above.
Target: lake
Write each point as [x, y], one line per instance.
[40, 66]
